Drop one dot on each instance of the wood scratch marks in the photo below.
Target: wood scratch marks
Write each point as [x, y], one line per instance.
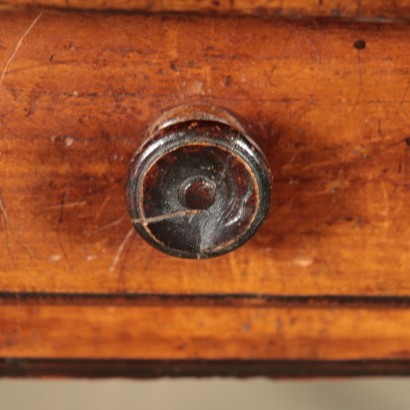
[289, 200]
[111, 224]
[7, 226]
[402, 101]
[145, 221]
[62, 208]
[4, 224]
[359, 92]
[386, 208]
[67, 205]
[58, 229]
[121, 277]
[69, 82]
[3, 212]
[102, 207]
[120, 250]
[18, 45]
[310, 43]
[280, 54]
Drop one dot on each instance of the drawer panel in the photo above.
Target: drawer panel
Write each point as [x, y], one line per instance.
[159, 331]
[78, 92]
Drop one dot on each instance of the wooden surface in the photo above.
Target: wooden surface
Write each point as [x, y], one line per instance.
[124, 330]
[325, 279]
[80, 91]
[363, 10]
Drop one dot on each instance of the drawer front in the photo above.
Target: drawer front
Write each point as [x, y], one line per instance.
[81, 91]
[327, 102]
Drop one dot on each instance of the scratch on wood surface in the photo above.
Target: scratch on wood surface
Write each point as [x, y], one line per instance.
[145, 221]
[3, 212]
[6, 220]
[60, 245]
[359, 93]
[18, 45]
[310, 43]
[289, 200]
[405, 93]
[60, 221]
[62, 208]
[67, 205]
[111, 224]
[68, 81]
[279, 56]
[120, 250]
[121, 277]
[385, 211]
[102, 208]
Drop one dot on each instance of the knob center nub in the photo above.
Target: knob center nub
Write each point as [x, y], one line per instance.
[197, 193]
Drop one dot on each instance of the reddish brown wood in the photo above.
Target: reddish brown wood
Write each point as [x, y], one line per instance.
[327, 102]
[126, 331]
[79, 91]
[353, 9]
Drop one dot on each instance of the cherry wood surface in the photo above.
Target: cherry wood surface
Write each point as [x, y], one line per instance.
[78, 92]
[323, 286]
[84, 330]
[362, 10]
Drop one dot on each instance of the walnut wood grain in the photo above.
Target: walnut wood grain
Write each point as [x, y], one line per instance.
[77, 93]
[378, 10]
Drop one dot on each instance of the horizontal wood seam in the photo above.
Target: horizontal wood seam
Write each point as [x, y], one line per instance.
[201, 368]
[206, 299]
[264, 14]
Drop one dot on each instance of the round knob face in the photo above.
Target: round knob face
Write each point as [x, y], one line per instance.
[198, 187]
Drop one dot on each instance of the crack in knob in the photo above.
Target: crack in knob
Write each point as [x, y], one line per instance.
[199, 186]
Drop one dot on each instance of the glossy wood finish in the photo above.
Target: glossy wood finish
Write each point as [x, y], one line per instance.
[326, 279]
[378, 10]
[80, 91]
[143, 329]
[198, 187]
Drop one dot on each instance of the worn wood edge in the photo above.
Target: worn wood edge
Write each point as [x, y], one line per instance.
[264, 13]
[206, 299]
[200, 368]
[202, 332]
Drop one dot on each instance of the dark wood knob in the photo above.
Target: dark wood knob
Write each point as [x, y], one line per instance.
[199, 186]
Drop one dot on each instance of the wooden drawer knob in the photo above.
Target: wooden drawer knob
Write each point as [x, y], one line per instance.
[199, 186]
